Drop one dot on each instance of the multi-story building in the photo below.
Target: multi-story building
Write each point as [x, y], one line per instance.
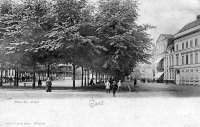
[160, 68]
[187, 53]
[169, 75]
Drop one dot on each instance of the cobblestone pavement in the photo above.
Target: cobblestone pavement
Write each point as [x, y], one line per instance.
[157, 105]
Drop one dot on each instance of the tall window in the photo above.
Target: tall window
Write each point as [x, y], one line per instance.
[186, 59]
[177, 60]
[196, 42]
[191, 43]
[196, 57]
[191, 58]
[177, 47]
[187, 44]
[183, 45]
[182, 59]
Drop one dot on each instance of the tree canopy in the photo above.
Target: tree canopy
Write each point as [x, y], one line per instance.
[104, 38]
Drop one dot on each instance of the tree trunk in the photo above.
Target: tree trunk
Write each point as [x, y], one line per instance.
[96, 77]
[74, 72]
[88, 76]
[82, 77]
[34, 79]
[48, 70]
[85, 77]
[99, 77]
[39, 75]
[1, 82]
[92, 74]
[17, 77]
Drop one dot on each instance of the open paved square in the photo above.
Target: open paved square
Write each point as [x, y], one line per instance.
[152, 104]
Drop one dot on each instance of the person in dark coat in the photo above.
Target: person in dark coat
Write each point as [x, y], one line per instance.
[111, 83]
[135, 82]
[48, 85]
[115, 87]
[92, 82]
[39, 82]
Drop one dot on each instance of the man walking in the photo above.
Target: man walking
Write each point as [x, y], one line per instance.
[115, 87]
[48, 85]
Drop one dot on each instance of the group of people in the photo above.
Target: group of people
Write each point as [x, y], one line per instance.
[114, 86]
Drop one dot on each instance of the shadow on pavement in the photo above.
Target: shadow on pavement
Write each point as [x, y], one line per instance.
[140, 91]
[84, 88]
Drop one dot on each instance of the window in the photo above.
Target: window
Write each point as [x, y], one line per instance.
[191, 43]
[191, 58]
[182, 60]
[196, 42]
[191, 70]
[187, 44]
[186, 59]
[177, 59]
[196, 58]
[183, 45]
[177, 47]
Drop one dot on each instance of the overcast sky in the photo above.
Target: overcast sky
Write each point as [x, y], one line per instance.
[168, 16]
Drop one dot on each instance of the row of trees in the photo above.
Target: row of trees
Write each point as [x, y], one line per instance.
[103, 38]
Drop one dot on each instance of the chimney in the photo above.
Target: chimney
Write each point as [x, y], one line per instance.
[198, 17]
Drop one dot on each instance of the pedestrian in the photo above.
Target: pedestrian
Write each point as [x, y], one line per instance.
[115, 87]
[92, 82]
[39, 83]
[119, 84]
[111, 82]
[135, 82]
[10, 79]
[48, 85]
[107, 84]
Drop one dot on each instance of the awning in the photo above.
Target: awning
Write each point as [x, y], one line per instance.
[158, 75]
[158, 60]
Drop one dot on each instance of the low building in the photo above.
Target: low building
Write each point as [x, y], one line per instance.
[146, 72]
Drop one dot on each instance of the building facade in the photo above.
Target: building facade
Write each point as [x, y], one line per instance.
[187, 54]
[169, 75]
[160, 66]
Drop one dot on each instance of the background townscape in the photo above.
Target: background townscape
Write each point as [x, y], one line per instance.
[99, 63]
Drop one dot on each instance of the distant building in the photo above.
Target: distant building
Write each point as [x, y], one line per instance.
[160, 68]
[169, 73]
[146, 72]
[186, 55]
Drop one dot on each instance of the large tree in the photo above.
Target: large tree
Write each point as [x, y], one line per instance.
[127, 42]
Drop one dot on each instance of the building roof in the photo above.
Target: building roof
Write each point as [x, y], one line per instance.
[164, 36]
[168, 36]
[190, 25]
